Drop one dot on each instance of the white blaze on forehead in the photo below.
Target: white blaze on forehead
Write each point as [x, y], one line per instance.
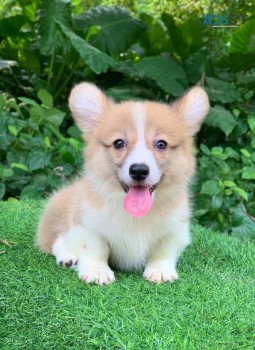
[140, 153]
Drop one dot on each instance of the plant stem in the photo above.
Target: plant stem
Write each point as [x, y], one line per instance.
[50, 73]
[61, 69]
[59, 91]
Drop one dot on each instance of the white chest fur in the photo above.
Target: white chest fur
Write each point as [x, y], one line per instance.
[130, 239]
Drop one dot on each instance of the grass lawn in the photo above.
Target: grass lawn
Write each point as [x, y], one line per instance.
[43, 306]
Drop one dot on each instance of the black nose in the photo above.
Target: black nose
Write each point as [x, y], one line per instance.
[139, 172]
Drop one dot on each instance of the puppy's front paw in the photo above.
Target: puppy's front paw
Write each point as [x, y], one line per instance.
[96, 272]
[62, 254]
[160, 272]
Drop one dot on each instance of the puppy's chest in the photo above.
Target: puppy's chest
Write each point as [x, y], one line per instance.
[130, 239]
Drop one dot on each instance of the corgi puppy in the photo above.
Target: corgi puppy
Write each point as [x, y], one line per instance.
[130, 208]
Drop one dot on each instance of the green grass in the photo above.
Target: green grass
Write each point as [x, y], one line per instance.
[44, 306]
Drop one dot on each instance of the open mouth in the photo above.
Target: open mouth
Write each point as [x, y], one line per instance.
[139, 187]
[138, 199]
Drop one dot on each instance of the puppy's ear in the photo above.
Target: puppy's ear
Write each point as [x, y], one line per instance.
[87, 103]
[193, 107]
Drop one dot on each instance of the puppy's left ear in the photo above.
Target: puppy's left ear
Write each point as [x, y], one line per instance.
[193, 107]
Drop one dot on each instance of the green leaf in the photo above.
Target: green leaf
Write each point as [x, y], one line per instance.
[2, 190]
[97, 60]
[30, 192]
[243, 38]
[218, 152]
[7, 173]
[241, 192]
[245, 226]
[46, 98]
[118, 30]
[20, 166]
[205, 149]
[210, 187]
[54, 117]
[13, 130]
[10, 26]
[245, 152]
[219, 117]
[155, 39]
[155, 68]
[251, 122]
[28, 101]
[222, 91]
[248, 173]
[187, 37]
[229, 183]
[53, 12]
[38, 159]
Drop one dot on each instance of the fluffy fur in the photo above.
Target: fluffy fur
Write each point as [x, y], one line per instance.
[86, 224]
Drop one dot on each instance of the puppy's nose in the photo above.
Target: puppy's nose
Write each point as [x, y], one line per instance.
[139, 171]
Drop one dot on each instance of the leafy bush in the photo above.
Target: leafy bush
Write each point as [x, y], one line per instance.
[35, 157]
[145, 57]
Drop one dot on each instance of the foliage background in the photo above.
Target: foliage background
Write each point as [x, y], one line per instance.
[143, 49]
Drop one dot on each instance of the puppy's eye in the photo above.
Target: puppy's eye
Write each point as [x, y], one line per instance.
[118, 144]
[161, 145]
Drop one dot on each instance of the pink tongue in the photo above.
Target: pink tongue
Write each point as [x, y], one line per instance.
[138, 201]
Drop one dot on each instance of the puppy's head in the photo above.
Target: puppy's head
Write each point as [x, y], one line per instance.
[136, 148]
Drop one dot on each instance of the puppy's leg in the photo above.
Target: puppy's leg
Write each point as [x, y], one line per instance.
[92, 253]
[63, 254]
[162, 262]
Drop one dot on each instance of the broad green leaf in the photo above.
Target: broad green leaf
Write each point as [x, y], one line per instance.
[248, 173]
[155, 39]
[28, 101]
[218, 152]
[251, 122]
[7, 173]
[38, 159]
[244, 225]
[51, 12]
[97, 60]
[205, 149]
[238, 61]
[53, 116]
[179, 45]
[241, 192]
[195, 65]
[118, 30]
[166, 73]
[13, 130]
[47, 142]
[221, 118]
[46, 98]
[173, 82]
[20, 166]
[10, 26]
[210, 187]
[243, 38]
[186, 37]
[245, 152]
[229, 183]
[30, 192]
[222, 91]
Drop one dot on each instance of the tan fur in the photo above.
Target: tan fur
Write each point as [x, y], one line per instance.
[97, 195]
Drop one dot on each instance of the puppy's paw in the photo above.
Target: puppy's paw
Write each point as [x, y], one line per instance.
[160, 272]
[96, 272]
[62, 254]
[67, 260]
